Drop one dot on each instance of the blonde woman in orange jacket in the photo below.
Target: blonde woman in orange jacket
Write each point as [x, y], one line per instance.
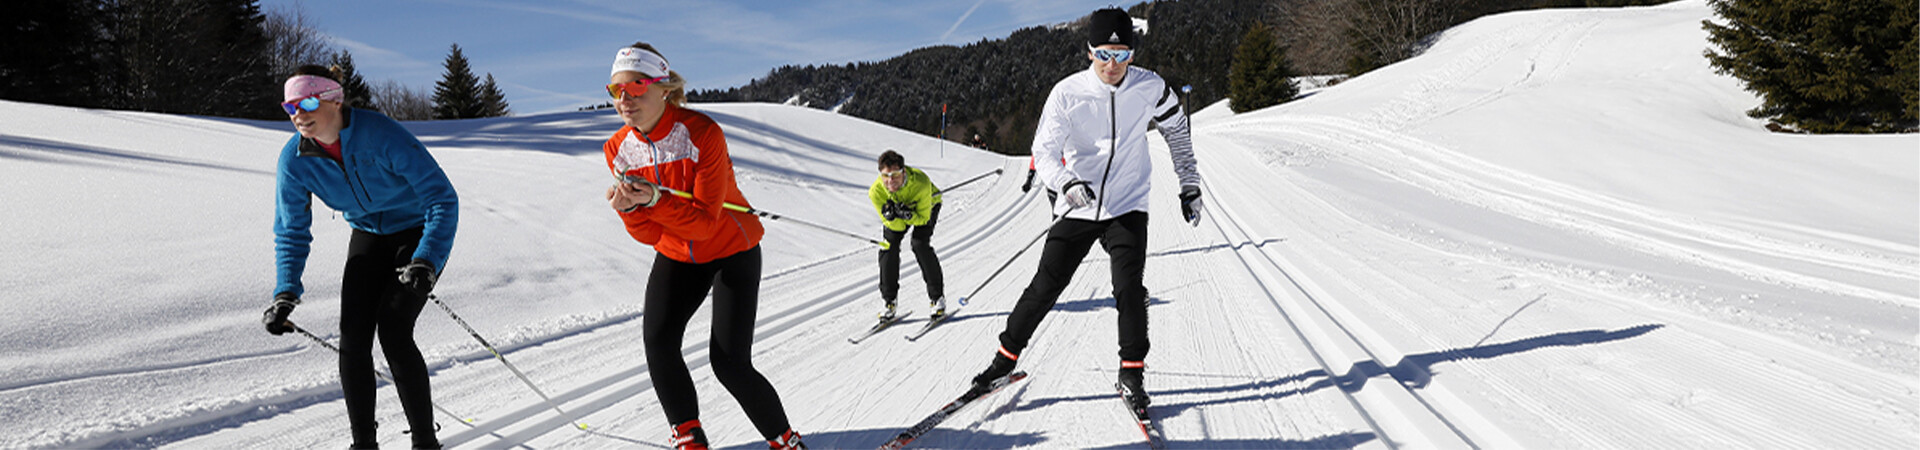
[702, 245]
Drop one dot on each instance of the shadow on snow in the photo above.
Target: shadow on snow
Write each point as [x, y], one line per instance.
[1414, 371]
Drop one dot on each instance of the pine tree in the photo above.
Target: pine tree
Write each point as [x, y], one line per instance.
[233, 76]
[51, 52]
[1260, 76]
[355, 87]
[457, 94]
[493, 103]
[1826, 66]
[193, 57]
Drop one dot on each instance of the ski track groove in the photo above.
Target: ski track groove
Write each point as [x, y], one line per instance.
[1306, 332]
[1697, 416]
[1456, 176]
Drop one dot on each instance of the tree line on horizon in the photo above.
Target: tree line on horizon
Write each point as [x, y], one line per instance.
[1823, 66]
[223, 58]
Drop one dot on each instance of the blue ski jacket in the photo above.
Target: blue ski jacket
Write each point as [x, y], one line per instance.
[384, 183]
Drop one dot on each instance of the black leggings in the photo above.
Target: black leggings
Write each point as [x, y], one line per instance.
[372, 302]
[922, 252]
[1125, 239]
[674, 291]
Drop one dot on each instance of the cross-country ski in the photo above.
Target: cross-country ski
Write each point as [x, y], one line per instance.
[883, 324]
[972, 395]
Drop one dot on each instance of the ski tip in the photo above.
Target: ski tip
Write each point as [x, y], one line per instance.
[469, 420]
[581, 425]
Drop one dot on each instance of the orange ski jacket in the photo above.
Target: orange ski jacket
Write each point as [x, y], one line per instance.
[686, 151]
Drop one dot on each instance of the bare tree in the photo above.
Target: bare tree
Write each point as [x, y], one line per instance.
[1360, 35]
[1315, 35]
[295, 40]
[401, 102]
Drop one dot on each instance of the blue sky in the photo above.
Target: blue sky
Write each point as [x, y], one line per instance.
[553, 55]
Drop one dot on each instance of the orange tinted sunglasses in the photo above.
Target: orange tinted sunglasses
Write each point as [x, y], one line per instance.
[631, 88]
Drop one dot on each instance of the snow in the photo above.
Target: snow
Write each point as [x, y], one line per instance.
[1554, 229]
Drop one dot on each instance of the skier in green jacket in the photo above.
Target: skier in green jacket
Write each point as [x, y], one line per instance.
[907, 200]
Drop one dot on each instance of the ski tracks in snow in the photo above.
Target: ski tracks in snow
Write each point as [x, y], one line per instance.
[1348, 313]
[1462, 178]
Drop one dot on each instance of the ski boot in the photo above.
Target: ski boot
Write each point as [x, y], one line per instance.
[689, 436]
[888, 315]
[426, 440]
[787, 441]
[1002, 365]
[1132, 387]
[939, 307]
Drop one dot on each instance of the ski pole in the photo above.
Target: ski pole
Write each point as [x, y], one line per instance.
[970, 180]
[1003, 266]
[770, 216]
[503, 360]
[377, 372]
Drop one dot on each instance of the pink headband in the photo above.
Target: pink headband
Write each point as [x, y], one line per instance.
[303, 86]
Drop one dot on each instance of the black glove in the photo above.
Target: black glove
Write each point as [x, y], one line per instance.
[1190, 204]
[890, 210]
[276, 316]
[418, 277]
[896, 211]
[1029, 186]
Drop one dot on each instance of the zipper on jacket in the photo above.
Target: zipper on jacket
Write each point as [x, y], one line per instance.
[342, 164]
[1113, 147]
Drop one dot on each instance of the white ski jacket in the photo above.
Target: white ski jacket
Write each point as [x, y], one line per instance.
[1096, 132]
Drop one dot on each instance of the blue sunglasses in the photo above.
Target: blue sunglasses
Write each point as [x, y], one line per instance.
[306, 104]
[1109, 55]
[312, 102]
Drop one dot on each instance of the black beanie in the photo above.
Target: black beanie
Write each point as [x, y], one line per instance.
[1110, 26]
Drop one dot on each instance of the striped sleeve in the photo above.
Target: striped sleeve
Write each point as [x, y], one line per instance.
[1171, 119]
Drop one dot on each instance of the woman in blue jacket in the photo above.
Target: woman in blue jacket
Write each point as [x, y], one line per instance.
[403, 212]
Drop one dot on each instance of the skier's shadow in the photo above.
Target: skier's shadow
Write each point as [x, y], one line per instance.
[1342, 440]
[1414, 371]
[1097, 304]
[1225, 246]
[937, 438]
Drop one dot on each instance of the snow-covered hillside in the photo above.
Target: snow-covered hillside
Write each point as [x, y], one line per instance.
[1554, 229]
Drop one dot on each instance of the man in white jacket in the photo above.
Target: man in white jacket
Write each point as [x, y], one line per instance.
[1091, 147]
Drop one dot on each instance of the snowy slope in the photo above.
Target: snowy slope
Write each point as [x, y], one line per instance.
[1553, 229]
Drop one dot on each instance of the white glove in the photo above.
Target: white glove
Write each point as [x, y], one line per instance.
[1077, 194]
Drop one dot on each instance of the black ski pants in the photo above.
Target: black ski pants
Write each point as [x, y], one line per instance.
[373, 304]
[922, 253]
[674, 291]
[1125, 239]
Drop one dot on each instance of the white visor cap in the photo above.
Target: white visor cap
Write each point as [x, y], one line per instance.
[639, 60]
